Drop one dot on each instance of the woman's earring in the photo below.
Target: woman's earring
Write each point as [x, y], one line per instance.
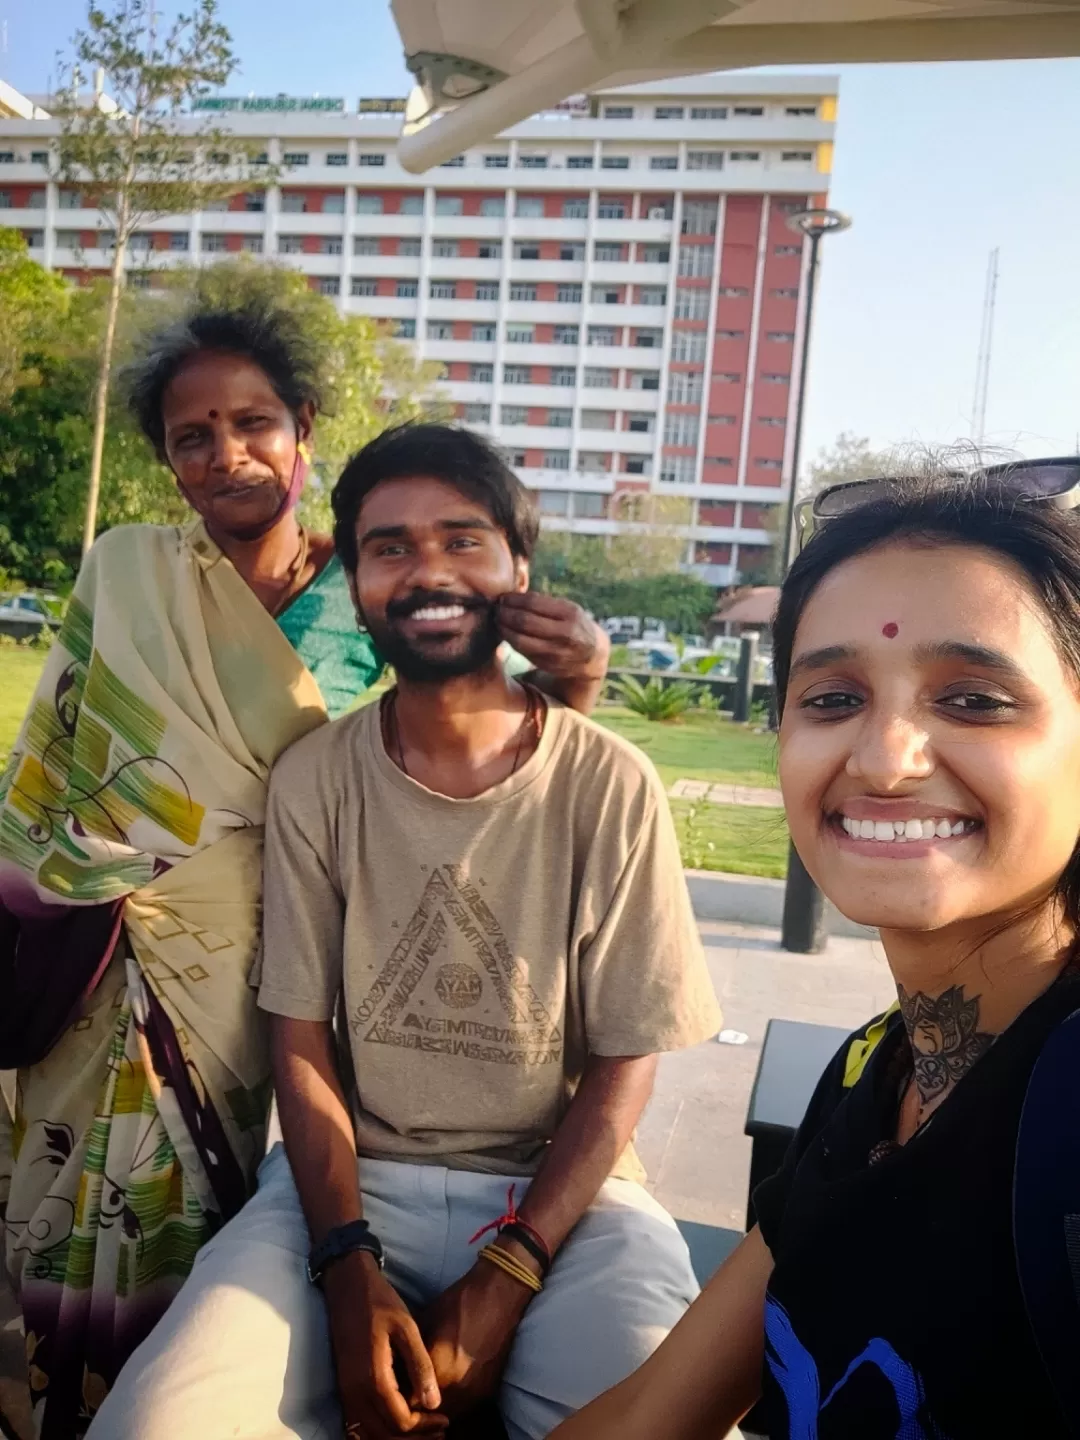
[304, 451]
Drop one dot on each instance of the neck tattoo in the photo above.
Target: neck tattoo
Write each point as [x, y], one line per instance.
[945, 1039]
[531, 724]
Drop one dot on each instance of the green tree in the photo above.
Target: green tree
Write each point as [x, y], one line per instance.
[850, 457]
[130, 154]
[32, 300]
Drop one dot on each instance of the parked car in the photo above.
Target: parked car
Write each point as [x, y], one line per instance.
[26, 614]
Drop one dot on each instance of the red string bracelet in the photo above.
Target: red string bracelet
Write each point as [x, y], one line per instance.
[513, 1218]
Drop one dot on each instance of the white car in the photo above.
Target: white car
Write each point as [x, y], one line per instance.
[25, 615]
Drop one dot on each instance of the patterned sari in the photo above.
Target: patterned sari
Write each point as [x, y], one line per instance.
[131, 819]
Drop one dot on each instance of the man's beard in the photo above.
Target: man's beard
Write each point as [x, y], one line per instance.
[432, 659]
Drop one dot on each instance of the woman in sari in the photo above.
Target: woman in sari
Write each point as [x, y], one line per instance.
[131, 819]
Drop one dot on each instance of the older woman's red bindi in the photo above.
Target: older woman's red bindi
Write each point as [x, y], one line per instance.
[891, 630]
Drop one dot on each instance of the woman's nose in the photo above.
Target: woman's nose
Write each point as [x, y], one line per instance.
[227, 448]
[889, 749]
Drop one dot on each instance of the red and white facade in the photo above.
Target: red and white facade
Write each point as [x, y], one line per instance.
[612, 289]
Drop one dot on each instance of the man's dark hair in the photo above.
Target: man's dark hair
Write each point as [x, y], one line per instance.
[449, 453]
[269, 336]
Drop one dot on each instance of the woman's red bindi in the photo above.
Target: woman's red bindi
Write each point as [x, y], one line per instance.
[891, 630]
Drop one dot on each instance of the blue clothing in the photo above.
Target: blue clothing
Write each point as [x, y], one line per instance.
[320, 625]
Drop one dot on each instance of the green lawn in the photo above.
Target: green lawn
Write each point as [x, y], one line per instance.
[701, 746]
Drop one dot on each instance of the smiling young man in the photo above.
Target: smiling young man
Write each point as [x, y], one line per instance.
[485, 889]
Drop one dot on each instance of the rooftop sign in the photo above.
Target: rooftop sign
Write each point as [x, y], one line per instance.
[220, 103]
[374, 106]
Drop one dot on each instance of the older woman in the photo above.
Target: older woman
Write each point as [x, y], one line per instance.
[130, 848]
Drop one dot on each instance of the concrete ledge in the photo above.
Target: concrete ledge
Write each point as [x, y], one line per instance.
[754, 900]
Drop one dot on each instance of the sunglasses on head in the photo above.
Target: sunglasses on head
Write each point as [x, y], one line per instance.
[1053, 481]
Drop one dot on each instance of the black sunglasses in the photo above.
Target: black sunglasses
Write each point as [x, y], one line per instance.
[1053, 481]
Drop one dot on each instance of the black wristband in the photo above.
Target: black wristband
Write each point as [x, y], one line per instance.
[341, 1241]
[526, 1241]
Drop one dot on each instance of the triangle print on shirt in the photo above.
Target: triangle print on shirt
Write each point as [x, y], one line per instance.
[453, 959]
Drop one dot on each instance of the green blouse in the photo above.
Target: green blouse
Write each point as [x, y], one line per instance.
[320, 625]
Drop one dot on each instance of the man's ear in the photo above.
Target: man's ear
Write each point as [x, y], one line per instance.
[521, 574]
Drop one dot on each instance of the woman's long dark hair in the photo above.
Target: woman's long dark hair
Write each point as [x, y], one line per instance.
[1042, 542]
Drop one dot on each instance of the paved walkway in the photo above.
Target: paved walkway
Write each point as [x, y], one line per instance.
[757, 795]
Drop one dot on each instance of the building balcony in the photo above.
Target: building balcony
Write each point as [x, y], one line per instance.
[403, 225]
[443, 268]
[542, 312]
[629, 357]
[467, 227]
[473, 351]
[291, 222]
[559, 272]
[591, 482]
[624, 272]
[644, 229]
[239, 222]
[378, 307]
[396, 267]
[479, 310]
[521, 227]
[647, 317]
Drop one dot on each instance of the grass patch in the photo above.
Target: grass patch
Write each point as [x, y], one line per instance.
[699, 746]
[739, 839]
[19, 671]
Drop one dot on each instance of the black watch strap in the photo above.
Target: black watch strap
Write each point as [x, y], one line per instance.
[341, 1241]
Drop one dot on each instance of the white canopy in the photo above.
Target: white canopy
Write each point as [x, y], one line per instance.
[484, 65]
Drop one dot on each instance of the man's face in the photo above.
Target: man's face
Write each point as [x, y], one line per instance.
[432, 565]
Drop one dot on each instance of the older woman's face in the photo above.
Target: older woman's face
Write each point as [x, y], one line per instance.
[930, 745]
[231, 440]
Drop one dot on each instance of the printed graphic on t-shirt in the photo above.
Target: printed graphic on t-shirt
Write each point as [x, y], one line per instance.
[453, 958]
[796, 1373]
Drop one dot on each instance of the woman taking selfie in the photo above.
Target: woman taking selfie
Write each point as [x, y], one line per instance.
[909, 1275]
[130, 848]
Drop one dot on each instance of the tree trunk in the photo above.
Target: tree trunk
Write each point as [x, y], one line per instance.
[101, 393]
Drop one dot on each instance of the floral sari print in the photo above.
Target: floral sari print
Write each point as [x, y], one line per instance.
[131, 817]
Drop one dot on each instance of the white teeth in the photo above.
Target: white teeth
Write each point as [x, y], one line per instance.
[866, 829]
[439, 612]
[884, 830]
[929, 829]
[944, 829]
[912, 829]
[958, 828]
[901, 831]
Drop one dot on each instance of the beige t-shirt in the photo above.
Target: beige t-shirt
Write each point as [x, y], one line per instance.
[482, 948]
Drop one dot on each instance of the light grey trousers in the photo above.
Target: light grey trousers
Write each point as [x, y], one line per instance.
[244, 1351]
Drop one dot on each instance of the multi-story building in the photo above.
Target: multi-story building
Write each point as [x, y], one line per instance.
[612, 288]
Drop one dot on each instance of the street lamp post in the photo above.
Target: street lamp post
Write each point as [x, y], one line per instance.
[803, 925]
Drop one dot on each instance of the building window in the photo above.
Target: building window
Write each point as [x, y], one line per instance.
[605, 295]
[594, 462]
[688, 345]
[691, 304]
[411, 246]
[574, 251]
[579, 162]
[699, 218]
[636, 465]
[595, 379]
[295, 158]
[639, 424]
[588, 506]
[722, 420]
[361, 285]
[220, 205]
[649, 339]
[333, 204]
[493, 207]
[745, 157]
[518, 459]
[769, 464]
[704, 160]
[36, 200]
[652, 294]
[568, 295]
[787, 250]
[366, 245]
[529, 207]
[213, 244]
[696, 261]
[67, 239]
[611, 210]
[604, 335]
[481, 374]
[708, 112]
[140, 243]
[563, 375]
[496, 162]
[477, 414]
[615, 162]
[726, 377]
[527, 293]
[807, 112]
[564, 335]
[443, 290]
[526, 250]
[489, 250]
[598, 419]
[774, 422]
[663, 162]
[5, 200]
[411, 205]
[369, 205]
[785, 293]
[39, 157]
[719, 460]
[533, 162]
[560, 419]
[684, 387]
[513, 415]
[678, 469]
[735, 292]
[251, 245]
[483, 334]
[487, 290]
[556, 459]
[618, 112]
[440, 330]
[781, 337]
[730, 334]
[290, 204]
[330, 245]
[749, 112]
[772, 377]
[575, 209]
[669, 112]
[645, 380]
[404, 330]
[70, 200]
[654, 254]
[518, 333]
[796, 157]
[328, 285]
[255, 202]
[338, 159]
[7, 157]
[448, 205]
[444, 249]
[603, 251]
[407, 289]
[517, 375]
[553, 502]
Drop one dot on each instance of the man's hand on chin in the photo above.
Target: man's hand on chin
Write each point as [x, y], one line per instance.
[468, 1331]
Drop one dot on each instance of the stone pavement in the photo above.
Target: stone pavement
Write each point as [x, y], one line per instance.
[727, 794]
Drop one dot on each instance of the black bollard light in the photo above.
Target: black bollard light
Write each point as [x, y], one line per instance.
[744, 679]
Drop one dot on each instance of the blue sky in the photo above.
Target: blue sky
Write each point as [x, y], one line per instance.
[936, 164]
